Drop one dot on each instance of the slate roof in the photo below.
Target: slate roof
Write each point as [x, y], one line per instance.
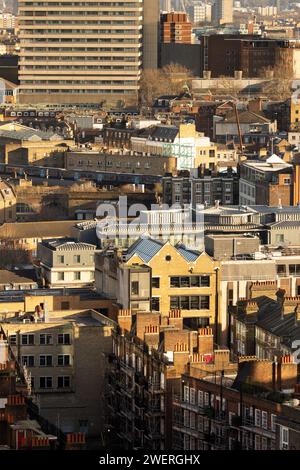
[247, 117]
[161, 133]
[147, 248]
[189, 255]
[269, 318]
[28, 134]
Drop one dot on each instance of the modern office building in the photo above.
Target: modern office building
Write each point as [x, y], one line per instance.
[222, 11]
[83, 53]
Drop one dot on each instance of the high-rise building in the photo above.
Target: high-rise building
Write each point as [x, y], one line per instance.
[201, 12]
[222, 11]
[175, 28]
[74, 52]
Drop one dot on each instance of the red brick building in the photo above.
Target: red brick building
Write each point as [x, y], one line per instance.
[175, 28]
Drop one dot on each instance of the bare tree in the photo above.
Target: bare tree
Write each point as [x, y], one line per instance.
[278, 79]
[170, 80]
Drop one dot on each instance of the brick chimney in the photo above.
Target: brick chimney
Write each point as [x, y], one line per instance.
[259, 288]
[175, 319]
[75, 441]
[205, 341]
[15, 409]
[124, 319]
[181, 357]
[286, 373]
[40, 443]
[290, 304]
[144, 320]
[251, 307]
[151, 336]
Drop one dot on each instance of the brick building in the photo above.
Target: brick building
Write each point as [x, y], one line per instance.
[175, 28]
[247, 410]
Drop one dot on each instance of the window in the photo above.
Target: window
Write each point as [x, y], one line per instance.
[76, 258]
[257, 442]
[294, 269]
[155, 304]
[134, 288]
[45, 360]
[27, 340]
[63, 381]
[257, 418]
[200, 399]
[61, 276]
[279, 238]
[13, 339]
[77, 276]
[61, 259]
[281, 270]
[273, 423]
[63, 360]
[192, 421]
[186, 421]
[192, 396]
[64, 338]
[46, 339]
[189, 281]
[194, 302]
[28, 361]
[264, 420]
[168, 258]
[284, 438]
[156, 282]
[186, 394]
[206, 399]
[45, 382]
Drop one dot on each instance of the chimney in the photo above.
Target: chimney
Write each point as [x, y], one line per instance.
[205, 341]
[181, 356]
[151, 336]
[146, 322]
[175, 319]
[286, 373]
[297, 315]
[251, 307]
[75, 441]
[255, 106]
[290, 305]
[238, 74]
[125, 319]
[206, 74]
[3, 350]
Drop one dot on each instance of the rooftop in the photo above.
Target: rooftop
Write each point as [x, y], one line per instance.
[67, 244]
[147, 248]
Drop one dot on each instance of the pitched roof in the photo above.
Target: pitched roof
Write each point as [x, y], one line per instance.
[67, 244]
[247, 117]
[145, 248]
[47, 229]
[189, 255]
